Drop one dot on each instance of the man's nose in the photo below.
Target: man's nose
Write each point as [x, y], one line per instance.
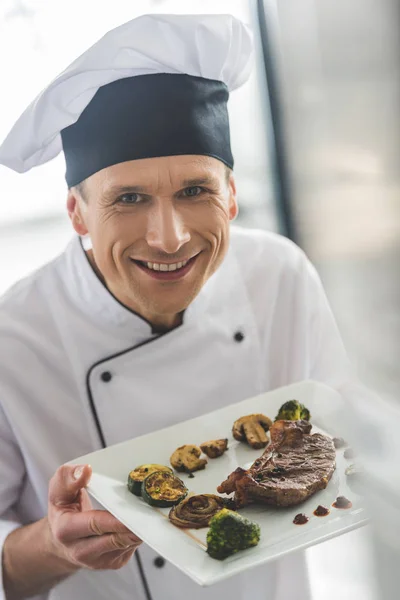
[166, 229]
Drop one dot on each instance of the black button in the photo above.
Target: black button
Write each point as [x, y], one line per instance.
[238, 337]
[106, 376]
[159, 562]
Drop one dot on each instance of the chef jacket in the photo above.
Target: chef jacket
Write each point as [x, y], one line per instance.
[78, 370]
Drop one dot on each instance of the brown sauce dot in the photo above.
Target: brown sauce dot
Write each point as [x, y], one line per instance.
[339, 442]
[342, 502]
[349, 453]
[300, 519]
[191, 476]
[321, 511]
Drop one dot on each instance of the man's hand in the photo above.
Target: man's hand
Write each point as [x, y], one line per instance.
[73, 536]
[88, 538]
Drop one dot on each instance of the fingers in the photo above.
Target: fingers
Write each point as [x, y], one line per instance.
[114, 560]
[70, 526]
[117, 559]
[95, 551]
[66, 483]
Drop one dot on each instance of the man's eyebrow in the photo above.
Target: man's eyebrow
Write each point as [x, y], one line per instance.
[199, 181]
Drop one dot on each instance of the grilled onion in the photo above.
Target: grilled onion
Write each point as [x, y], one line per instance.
[197, 511]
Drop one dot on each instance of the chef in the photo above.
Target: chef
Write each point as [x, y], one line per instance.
[158, 310]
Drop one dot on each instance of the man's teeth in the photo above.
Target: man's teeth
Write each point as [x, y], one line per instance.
[164, 267]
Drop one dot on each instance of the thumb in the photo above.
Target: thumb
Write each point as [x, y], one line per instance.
[67, 482]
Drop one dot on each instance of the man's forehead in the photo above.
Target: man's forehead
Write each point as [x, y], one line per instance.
[175, 170]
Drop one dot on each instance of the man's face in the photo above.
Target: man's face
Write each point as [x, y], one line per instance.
[163, 211]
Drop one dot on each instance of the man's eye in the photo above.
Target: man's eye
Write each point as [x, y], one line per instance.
[193, 191]
[129, 198]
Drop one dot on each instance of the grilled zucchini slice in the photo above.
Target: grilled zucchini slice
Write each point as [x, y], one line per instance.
[163, 489]
[136, 477]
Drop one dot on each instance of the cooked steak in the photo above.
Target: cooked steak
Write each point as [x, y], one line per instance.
[294, 466]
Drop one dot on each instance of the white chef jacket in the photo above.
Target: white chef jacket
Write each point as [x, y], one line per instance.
[61, 331]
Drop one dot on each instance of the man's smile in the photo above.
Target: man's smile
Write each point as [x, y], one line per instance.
[166, 271]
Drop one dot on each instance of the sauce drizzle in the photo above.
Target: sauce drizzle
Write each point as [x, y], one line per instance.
[321, 511]
[342, 502]
[338, 442]
[300, 519]
[349, 453]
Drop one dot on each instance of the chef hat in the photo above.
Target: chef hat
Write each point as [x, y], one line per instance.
[155, 86]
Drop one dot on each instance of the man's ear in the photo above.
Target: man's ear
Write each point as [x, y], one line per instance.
[233, 205]
[75, 213]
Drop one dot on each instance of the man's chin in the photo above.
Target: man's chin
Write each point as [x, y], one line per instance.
[164, 311]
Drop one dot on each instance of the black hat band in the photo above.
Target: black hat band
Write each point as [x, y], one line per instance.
[148, 116]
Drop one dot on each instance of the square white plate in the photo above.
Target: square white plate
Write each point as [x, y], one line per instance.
[186, 548]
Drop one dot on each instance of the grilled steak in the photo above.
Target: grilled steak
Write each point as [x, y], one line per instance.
[294, 466]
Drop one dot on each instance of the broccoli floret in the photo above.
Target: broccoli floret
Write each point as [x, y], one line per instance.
[305, 413]
[293, 411]
[230, 532]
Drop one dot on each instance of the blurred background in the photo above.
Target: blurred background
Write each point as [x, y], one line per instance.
[315, 135]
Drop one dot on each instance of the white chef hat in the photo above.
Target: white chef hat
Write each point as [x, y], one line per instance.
[155, 86]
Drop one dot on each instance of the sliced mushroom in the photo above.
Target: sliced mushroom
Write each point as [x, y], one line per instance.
[187, 459]
[214, 448]
[252, 429]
